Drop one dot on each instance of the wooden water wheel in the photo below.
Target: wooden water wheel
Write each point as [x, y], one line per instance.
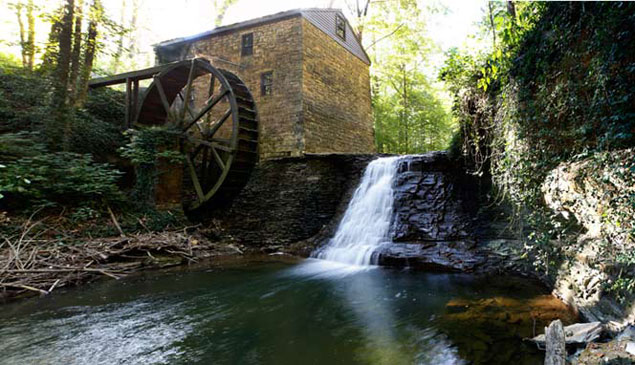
[215, 119]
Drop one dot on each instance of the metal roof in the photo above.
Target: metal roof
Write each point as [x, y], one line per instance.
[323, 19]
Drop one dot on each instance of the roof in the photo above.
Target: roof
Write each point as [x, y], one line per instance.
[323, 19]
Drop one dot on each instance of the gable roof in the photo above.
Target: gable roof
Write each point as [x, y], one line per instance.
[323, 19]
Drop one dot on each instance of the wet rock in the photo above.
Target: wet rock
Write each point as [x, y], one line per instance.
[435, 256]
[613, 352]
[434, 200]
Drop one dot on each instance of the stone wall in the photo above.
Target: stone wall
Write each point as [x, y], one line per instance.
[277, 47]
[336, 89]
[321, 92]
[292, 199]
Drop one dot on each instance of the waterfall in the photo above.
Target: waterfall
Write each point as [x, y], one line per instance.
[366, 223]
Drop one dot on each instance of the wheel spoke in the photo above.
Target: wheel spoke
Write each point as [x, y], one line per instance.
[219, 123]
[202, 142]
[224, 141]
[219, 161]
[212, 83]
[164, 99]
[196, 151]
[188, 91]
[189, 111]
[204, 165]
[197, 184]
[206, 109]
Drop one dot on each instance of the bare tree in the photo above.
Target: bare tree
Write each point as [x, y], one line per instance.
[360, 9]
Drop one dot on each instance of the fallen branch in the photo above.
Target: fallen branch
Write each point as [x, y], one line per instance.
[114, 220]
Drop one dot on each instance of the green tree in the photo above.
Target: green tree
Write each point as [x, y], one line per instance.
[409, 116]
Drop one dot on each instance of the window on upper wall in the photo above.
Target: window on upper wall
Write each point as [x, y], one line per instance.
[340, 27]
[247, 48]
[266, 83]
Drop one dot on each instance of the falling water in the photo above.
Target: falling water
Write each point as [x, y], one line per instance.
[366, 223]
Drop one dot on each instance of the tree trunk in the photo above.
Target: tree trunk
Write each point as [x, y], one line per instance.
[18, 12]
[361, 12]
[51, 49]
[405, 108]
[116, 60]
[133, 46]
[90, 50]
[61, 75]
[76, 52]
[30, 19]
[491, 21]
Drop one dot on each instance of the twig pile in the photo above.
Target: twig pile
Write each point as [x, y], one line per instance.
[29, 263]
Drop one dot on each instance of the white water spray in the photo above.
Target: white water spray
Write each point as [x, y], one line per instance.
[366, 223]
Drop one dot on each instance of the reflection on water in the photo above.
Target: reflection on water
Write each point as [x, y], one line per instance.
[274, 313]
[370, 298]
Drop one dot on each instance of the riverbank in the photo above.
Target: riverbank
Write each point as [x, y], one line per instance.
[31, 264]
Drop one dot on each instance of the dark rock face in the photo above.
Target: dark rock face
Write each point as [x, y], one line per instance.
[295, 204]
[291, 199]
[435, 256]
[434, 201]
[438, 223]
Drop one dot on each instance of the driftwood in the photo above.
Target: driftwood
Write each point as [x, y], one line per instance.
[576, 334]
[556, 351]
[29, 263]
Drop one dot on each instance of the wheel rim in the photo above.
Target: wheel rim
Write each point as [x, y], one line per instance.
[213, 123]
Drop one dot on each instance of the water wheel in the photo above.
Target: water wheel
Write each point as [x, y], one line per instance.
[215, 119]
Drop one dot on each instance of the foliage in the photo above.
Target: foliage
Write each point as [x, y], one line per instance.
[409, 114]
[59, 177]
[26, 106]
[34, 170]
[557, 85]
[146, 147]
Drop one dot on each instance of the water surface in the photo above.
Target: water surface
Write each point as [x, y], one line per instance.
[272, 312]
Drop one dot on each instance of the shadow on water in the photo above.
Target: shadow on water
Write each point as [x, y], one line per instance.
[277, 313]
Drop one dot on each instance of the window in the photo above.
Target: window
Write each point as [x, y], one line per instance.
[266, 83]
[340, 27]
[247, 45]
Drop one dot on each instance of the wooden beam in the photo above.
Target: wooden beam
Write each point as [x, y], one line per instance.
[128, 101]
[197, 184]
[135, 102]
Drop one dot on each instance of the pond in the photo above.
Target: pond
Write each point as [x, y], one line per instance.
[268, 311]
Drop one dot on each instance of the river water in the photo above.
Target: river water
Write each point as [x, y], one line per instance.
[276, 312]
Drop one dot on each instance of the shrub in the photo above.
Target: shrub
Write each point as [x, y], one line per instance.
[58, 178]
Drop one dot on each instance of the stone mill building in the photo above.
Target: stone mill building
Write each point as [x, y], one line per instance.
[307, 71]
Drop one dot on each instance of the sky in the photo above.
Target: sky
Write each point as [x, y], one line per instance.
[168, 19]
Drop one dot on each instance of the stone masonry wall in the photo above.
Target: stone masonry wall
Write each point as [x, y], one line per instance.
[336, 89]
[277, 47]
[292, 199]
